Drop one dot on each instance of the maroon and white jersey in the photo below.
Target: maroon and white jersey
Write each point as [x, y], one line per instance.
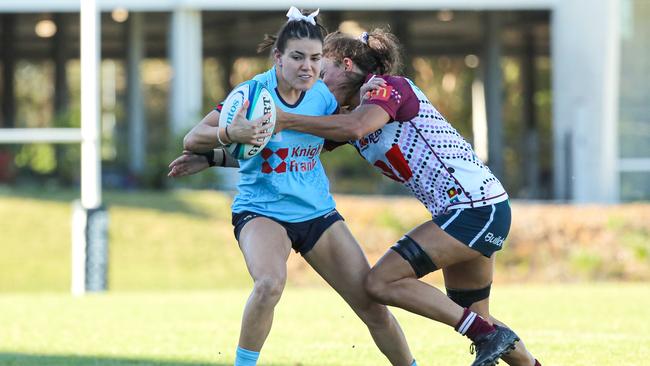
[421, 150]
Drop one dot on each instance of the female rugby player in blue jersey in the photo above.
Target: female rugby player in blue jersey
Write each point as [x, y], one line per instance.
[398, 130]
[284, 200]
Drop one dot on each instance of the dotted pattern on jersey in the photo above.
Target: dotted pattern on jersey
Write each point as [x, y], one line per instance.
[446, 173]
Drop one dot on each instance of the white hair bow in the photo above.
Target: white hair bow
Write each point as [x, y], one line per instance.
[295, 15]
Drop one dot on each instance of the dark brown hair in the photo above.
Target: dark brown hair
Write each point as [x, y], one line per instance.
[294, 29]
[381, 54]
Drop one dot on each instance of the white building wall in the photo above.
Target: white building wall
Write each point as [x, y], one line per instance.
[186, 56]
[585, 52]
[634, 110]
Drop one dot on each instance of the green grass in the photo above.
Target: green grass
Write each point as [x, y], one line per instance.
[178, 284]
[183, 240]
[604, 324]
[176, 240]
[157, 240]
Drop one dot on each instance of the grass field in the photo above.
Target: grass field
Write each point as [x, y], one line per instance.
[605, 324]
[178, 283]
[182, 240]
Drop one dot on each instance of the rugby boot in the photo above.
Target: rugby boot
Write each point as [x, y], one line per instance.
[490, 347]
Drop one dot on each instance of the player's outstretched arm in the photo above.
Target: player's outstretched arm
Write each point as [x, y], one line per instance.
[187, 164]
[340, 127]
[208, 135]
[190, 163]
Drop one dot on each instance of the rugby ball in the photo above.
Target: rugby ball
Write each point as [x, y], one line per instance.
[260, 103]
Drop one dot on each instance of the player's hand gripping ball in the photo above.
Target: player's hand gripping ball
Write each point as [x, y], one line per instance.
[260, 102]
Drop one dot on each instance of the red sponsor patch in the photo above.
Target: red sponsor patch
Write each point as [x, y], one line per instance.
[282, 153]
[266, 153]
[397, 160]
[281, 167]
[382, 93]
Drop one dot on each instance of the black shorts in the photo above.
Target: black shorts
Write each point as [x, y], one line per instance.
[303, 235]
[481, 228]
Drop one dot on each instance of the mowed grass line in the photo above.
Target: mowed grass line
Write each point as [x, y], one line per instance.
[157, 240]
[183, 240]
[587, 324]
[176, 240]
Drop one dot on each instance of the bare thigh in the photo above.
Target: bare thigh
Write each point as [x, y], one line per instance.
[472, 274]
[443, 249]
[338, 258]
[266, 247]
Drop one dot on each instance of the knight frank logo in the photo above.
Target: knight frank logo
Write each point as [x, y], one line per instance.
[267, 154]
[295, 159]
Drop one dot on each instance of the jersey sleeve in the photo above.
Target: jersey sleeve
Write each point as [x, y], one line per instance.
[332, 106]
[391, 98]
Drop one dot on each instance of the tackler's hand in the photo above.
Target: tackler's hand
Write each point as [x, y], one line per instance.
[187, 164]
[375, 83]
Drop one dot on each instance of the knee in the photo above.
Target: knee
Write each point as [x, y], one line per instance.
[371, 312]
[267, 291]
[377, 288]
[376, 316]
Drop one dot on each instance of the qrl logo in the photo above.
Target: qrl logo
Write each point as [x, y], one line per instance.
[382, 93]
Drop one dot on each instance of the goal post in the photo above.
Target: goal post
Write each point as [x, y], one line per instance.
[89, 217]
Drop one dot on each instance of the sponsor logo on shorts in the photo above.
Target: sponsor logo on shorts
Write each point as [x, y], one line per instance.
[496, 240]
[333, 212]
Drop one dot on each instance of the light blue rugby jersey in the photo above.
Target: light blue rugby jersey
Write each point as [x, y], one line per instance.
[286, 180]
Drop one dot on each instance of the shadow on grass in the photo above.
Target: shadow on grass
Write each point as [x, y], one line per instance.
[21, 359]
[164, 201]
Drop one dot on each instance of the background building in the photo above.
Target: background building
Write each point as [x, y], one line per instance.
[553, 94]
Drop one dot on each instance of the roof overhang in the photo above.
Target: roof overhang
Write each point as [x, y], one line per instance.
[31, 6]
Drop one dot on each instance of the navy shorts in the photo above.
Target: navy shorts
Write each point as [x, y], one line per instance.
[481, 228]
[303, 235]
